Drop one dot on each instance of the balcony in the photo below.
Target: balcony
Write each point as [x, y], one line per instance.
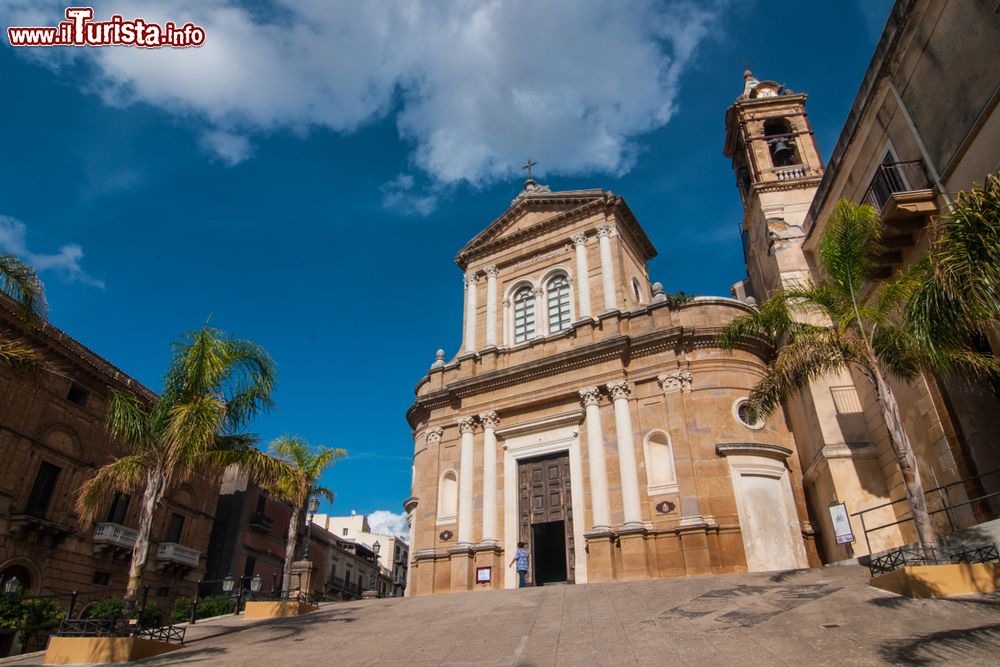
[904, 198]
[114, 539]
[170, 555]
[261, 522]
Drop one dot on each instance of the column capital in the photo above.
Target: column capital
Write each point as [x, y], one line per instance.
[539, 291]
[466, 425]
[675, 381]
[590, 396]
[491, 271]
[619, 389]
[470, 278]
[607, 229]
[433, 435]
[489, 419]
[580, 238]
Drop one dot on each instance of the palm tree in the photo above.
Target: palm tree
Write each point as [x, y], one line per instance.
[20, 282]
[305, 465]
[850, 320]
[213, 387]
[961, 296]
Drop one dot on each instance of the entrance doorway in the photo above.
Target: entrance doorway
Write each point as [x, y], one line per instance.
[549, 551]
[545, 513]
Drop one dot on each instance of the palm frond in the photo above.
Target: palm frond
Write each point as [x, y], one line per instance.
[241, 451]
[19, 281]
[771, 321]
[807, 357]
[127, 419]
[851, 236]
[125, 474]
[323, 492]
[19, 356]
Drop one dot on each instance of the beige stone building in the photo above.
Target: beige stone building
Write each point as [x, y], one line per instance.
[923, 127]
[393, 556]
[593, 417]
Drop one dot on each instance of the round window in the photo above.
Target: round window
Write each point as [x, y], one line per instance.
[741, 411]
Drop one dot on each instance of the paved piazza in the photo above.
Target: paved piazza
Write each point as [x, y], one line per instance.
[816, 617]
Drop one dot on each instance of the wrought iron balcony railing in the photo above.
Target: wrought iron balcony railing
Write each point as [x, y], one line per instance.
[895, 177]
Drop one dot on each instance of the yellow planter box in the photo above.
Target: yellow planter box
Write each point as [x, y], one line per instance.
[932, 581]
[278, 609]
[98, 650]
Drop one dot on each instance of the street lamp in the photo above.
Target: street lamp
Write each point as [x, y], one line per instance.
[313, 507]
[375, 550]
[255, 583]
[12, 585]
[227, 583]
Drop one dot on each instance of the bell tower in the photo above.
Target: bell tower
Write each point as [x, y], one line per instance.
[777, 168]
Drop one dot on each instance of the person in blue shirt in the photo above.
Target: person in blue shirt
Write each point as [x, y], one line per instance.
[521, 558]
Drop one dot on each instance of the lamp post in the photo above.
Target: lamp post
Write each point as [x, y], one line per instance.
[375, 550]
[227, 588]
[12, 585]
[313, 507]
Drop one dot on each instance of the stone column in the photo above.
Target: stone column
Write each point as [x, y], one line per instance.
[491, 305]
[470, 312]
[599, 505]
[489, 420]
[626, 454]
[541, 314]
[582, 275]
[466, 425]
[604, 232]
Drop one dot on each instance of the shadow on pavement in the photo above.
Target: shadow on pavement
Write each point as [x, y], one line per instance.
[944, 647]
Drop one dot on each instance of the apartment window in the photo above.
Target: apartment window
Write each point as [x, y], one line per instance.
[119, 508]
[175, 528]
[345, 532]
[558, 303]
[78, 395]
[163, 592]
[41, 490]
[101, 578]
[524, 315]
[249, 565]
[261, 503]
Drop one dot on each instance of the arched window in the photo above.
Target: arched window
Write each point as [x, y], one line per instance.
[558, 303]
[660, 472]
[524, 315]
[636, 290]
[448, 497]
[780, 142]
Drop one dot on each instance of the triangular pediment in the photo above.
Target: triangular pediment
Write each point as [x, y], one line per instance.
[532, 210]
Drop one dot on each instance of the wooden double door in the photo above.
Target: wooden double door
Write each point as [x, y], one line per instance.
[545, 510]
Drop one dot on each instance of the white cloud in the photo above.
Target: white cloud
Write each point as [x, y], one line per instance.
[476, 86]
[228, 147]
[387, 523]
[399, 195]
[65, 262]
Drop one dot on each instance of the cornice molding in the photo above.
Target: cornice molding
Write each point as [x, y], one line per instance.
[547, 423]
[752, 449]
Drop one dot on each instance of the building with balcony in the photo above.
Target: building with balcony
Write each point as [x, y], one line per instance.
[923, 126]
[394, 552]
[52, 439]
[249, 537]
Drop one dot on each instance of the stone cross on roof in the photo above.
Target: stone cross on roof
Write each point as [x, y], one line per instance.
[531, 163]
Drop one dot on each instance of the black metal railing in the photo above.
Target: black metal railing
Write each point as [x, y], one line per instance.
[893, 177]
[108, 627]
[940, 496]
[903, 556]
[241, 590]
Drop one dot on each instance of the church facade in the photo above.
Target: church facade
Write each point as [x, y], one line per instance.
[594, 418]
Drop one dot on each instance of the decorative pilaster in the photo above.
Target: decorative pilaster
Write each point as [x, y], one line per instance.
[508, 324]
[489, 420]
[541, 314]
[470, 311]
[491, 305]
[620, 392]
[433, 435]
[466, 426]
[604, 234]
[599, 505]
[583, 272]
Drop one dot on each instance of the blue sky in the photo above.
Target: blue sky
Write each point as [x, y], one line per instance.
[305, 179]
